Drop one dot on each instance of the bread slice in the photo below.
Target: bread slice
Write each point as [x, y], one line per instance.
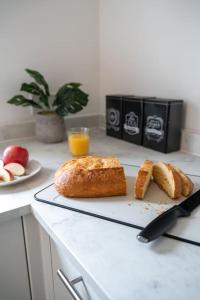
[187, 184]
[91, 176]
[168, 179]
[143, 179]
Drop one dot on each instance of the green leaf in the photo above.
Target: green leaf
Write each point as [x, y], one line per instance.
[44, 100]
[74, 84]
[61, 111]
[20, 100]
[34, 89]
[39, 78]
[70, 99]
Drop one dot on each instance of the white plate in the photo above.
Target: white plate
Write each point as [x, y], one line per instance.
[32, 168]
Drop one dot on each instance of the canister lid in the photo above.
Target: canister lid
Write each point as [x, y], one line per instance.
[136, 98]
[163, 101]
[119, 95]
[116, 97]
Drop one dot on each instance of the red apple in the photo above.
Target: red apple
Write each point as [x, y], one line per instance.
[15, 168]
[15, 154]
[6, 175]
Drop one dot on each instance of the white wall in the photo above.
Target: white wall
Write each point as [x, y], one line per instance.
[152, 47]
[147, 47]
[58, 38]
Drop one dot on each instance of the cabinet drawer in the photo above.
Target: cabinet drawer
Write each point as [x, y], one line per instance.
[62, 264]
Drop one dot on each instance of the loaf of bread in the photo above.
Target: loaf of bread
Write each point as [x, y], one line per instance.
[143, 179]
[187, 184]
[167, 179]
[91, 176]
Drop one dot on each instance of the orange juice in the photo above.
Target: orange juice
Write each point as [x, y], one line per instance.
[78, 143]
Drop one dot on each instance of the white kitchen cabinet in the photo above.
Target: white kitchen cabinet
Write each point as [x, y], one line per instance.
[61, 262]
[35, 258]
[56, 257]
[14, 278]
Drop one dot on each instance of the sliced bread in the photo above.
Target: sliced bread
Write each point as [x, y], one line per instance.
[187, 184]
[143, 179]
[168, 179]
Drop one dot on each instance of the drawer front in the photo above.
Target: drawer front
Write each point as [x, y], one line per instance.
[61, 264]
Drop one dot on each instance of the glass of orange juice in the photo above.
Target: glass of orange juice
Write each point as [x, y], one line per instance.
[79, 141]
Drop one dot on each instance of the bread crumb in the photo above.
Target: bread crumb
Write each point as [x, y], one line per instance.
[160, 211]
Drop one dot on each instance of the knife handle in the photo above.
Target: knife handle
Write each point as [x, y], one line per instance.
[161, 224]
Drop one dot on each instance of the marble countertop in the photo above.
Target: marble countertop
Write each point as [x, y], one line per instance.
[109, 253]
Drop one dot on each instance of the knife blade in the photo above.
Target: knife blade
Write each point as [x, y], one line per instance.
[166, 220]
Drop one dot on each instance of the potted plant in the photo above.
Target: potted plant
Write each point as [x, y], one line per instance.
[69, 99]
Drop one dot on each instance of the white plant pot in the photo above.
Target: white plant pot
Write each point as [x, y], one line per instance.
[50, 127]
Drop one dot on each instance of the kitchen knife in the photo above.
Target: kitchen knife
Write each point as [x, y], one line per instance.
[166, 220]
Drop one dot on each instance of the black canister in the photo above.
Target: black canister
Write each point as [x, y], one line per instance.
[162, 124]
[132, 119]
[114, 115]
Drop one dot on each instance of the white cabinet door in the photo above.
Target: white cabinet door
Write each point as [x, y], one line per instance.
[14, 280]
[60, 261]
[60, 291]
[34, 249]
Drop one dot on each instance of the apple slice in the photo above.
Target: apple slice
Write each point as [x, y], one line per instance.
[1, 163]
[6, 175]
[15, 168]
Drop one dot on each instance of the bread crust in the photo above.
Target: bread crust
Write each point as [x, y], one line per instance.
[174, 177]
[177, 181]
[90, 183]
[187, 184]
[139, 184]
[143, 179]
